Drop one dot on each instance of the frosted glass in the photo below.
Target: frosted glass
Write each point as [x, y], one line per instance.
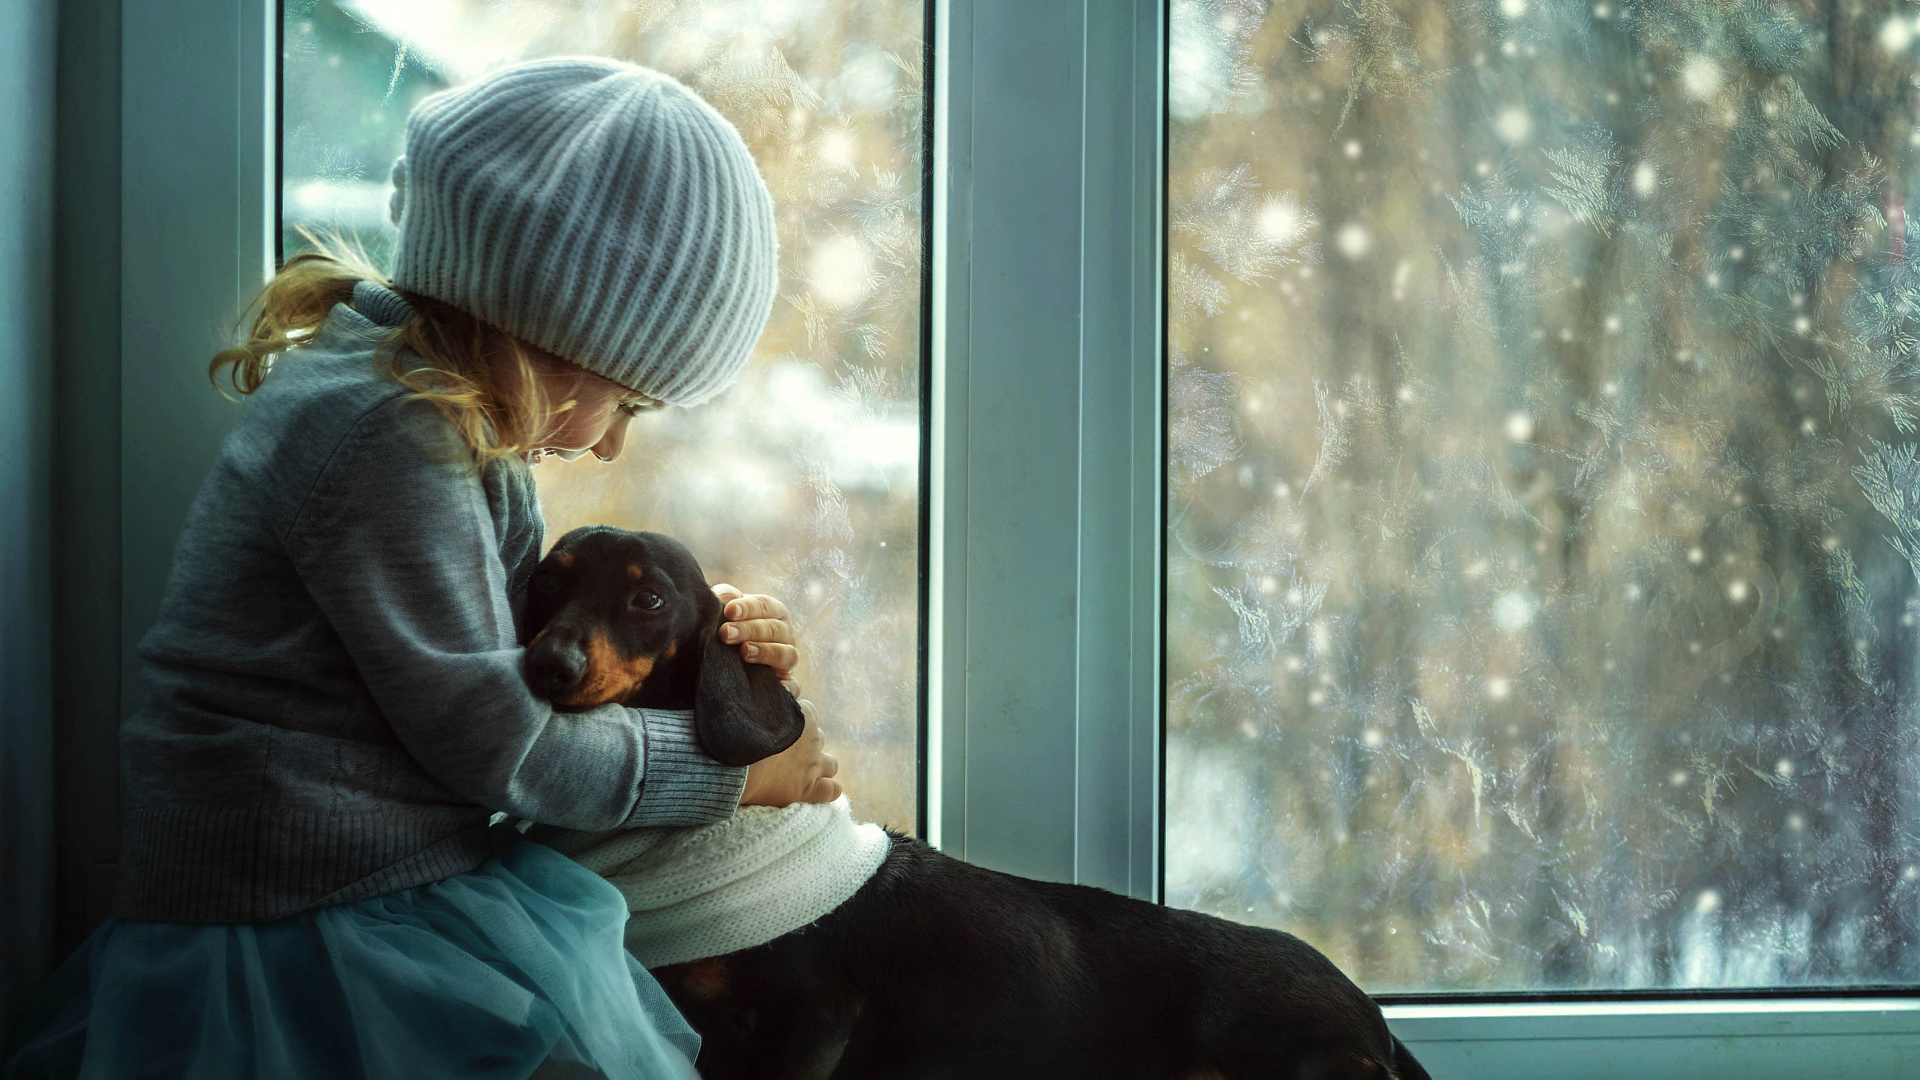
[1544, 517]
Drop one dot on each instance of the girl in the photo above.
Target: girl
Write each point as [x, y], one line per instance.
[335, 709]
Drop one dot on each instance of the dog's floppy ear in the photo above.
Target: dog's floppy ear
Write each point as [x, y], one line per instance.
[741, 713]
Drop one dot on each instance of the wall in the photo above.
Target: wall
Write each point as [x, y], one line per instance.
[86, 495]
[26, 336]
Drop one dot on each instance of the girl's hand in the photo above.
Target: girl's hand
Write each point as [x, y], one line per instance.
[758, 624]
[803, 772]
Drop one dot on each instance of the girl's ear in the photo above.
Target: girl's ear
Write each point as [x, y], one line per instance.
[741, 713]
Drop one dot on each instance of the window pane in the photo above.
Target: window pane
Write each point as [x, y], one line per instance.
[803, 480]
[1545, 509]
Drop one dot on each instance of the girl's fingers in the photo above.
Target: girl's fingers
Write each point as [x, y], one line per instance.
[756, 606]
[787, 680]
[825, 789]
[758, 623]
[757, 630]
[781, 658]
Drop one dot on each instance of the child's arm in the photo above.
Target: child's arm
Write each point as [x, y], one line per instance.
[399, 552]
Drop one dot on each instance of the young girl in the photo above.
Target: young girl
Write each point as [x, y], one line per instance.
[335, 709]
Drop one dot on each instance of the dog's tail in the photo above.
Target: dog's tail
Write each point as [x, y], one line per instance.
[1404, 1067]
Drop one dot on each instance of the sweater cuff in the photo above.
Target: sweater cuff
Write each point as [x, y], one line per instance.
[682, 785]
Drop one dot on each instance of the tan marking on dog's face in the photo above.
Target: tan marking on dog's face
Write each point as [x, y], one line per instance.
[564, 558]
[637, 573]
[706, 979]
[609, 676]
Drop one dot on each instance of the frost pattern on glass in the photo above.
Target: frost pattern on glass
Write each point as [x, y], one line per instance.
[803, 480]
[1544, 521]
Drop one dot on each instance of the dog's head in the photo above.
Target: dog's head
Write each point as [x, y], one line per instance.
[628, 617]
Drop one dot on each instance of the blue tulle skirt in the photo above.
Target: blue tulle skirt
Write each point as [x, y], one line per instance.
[512, 970]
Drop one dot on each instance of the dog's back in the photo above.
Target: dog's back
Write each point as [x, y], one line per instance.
[933, 968]
[941, 969]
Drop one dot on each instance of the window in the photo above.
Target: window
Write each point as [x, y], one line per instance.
[802, 481]
[1670, 418]
[1543, 495]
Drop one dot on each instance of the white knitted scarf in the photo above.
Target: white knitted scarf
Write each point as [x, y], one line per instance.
[715, 889]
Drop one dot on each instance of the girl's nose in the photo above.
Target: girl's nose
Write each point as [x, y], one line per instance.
[615, 440]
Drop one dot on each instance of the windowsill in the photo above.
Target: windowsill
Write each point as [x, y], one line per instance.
[1747, 1039]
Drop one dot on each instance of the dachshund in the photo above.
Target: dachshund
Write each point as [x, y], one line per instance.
[935, 968]
[627, 617]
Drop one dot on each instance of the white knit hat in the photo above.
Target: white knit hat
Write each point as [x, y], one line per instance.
[599, 210]
[715, 889]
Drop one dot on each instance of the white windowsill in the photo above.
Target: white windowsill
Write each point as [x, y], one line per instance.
[1747, 1039]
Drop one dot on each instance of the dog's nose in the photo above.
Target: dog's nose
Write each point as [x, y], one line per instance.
[555, 667]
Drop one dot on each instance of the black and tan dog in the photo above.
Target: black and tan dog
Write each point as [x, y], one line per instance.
[622, 616]
[935, 968]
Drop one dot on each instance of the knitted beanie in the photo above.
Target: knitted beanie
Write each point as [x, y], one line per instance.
[715, 889]
[598, 210]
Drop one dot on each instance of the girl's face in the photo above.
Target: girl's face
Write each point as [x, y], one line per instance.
[592, 412]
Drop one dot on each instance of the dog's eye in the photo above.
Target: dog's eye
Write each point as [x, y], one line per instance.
[543, 585]
[647, 601]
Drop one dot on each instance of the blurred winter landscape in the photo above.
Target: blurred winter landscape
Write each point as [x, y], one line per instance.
[1545, 521]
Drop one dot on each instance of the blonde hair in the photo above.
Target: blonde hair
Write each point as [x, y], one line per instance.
[442, 354]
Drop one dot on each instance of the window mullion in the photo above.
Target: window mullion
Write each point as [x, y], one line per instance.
[1005, 529]
[944, 809]
[1120, 526]
[1046, 445]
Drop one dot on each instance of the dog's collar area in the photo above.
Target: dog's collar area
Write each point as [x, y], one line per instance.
[714, 889]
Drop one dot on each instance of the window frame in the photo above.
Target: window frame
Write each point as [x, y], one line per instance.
[1105, 724]
[1047, 426]
[1044, 544]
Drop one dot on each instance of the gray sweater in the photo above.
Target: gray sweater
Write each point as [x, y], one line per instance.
[334, 702]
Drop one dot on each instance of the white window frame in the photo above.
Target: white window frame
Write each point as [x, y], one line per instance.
[1045, 503]
[1047, 491]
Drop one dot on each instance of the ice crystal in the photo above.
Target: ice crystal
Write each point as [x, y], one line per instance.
[1586, 181]
[1208, 65]
[1335, 430]
[758, 87]
[1375, 46]
[1889, 476]
[1249, 233]
[1193, 290]
[1203, 433]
